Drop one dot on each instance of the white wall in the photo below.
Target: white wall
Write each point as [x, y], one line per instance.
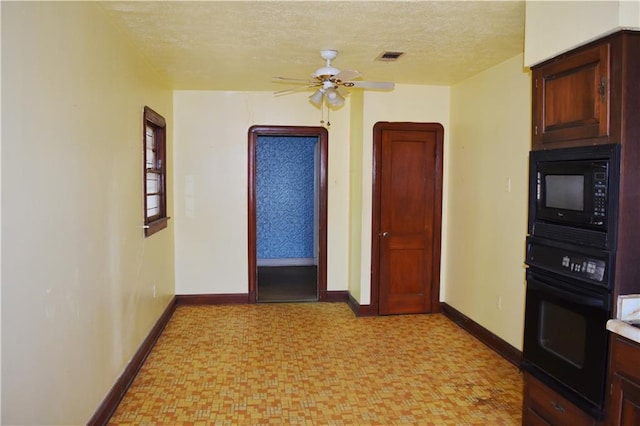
[629, 14]
[554, 27]
[77, 273]
[487, 209]
[211, 157]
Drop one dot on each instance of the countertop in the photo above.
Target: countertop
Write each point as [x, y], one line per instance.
[628, 310]
[623, 329]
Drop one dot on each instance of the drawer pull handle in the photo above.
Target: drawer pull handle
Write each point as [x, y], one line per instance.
[558, 407]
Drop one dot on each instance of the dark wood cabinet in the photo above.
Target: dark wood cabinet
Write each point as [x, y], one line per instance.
[624, 398]
[543, 406]
[587, 96]
[591, 96]
[571, 98]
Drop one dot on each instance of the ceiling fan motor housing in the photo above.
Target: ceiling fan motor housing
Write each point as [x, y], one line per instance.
[327, 71]
[328, 84]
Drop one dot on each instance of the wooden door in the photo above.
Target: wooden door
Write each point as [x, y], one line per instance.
[407, 217]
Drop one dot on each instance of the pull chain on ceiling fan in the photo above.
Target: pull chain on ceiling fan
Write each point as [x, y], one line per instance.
[329, 83]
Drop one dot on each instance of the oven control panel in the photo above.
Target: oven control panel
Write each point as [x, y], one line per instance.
[582, 266]
[565, 260]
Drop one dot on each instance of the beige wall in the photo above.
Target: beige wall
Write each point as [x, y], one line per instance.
[211, 179]
[487, 209]
[211, 155]
[78, 276]
[356, 142]
[554, 27]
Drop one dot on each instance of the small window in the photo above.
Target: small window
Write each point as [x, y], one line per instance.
[155, 172]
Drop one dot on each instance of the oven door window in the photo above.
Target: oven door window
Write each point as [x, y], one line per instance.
[562, 332]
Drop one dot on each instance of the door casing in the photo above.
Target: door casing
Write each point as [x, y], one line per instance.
[323, 142]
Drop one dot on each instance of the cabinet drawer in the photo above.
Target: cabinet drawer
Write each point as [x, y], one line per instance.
[550, 407]
[625, 357]
[530, 417]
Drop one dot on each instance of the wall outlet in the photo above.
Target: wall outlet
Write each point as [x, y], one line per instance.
[154, 291]
[499, 303]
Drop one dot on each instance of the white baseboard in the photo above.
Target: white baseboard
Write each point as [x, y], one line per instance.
[288, 262]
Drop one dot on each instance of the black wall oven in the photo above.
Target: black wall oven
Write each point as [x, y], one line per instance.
[566, 339]
[568, 303]
[570, 276]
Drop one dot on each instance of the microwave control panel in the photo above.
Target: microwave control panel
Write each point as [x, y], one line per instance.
[599, 197]
[569, 263]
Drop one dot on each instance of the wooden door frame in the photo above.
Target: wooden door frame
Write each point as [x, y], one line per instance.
[323, 141]
[378, 129]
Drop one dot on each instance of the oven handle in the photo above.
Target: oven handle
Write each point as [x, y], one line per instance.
[598, 302]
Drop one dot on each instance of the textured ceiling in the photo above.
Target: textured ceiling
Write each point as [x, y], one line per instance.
[241, 45]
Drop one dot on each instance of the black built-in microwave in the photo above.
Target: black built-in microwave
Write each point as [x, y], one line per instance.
[573, 194]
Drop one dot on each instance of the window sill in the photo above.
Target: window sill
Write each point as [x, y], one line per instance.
[155, 226]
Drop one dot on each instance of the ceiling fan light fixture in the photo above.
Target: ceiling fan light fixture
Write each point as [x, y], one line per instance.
[334, 98]
[316, 98]
[329, 83]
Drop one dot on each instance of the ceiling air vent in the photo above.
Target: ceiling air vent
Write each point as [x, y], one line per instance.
[389, 56]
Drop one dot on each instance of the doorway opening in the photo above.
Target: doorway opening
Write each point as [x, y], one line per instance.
[287, 213]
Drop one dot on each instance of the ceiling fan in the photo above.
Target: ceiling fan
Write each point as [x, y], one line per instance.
[330, 83]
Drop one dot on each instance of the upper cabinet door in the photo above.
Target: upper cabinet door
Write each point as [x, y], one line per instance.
[571, 99]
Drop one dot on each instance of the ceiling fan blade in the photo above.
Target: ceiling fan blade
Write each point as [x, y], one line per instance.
[379, 85]
[294, 80]
[347, 75]
[295, 89]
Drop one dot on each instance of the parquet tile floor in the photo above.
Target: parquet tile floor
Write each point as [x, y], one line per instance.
[318, 364]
